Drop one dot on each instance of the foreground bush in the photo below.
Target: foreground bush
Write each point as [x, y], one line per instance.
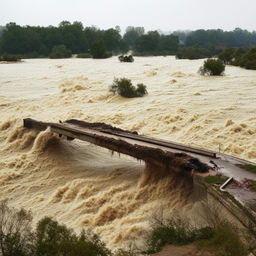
[176, 231]
[49, 239]
[60, 52]
[212, 67]
[126, 58]
[221, 239]
[124, 88]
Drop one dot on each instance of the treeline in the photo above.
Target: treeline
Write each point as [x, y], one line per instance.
[36, 41]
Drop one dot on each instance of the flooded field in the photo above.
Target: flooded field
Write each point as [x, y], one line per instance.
[85, 186]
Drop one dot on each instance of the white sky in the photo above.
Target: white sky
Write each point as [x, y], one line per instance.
[166, 15]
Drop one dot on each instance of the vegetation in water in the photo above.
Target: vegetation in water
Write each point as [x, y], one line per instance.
[60, 52]
[124, 88]
[212, 67]
[246, 60]
[84, 55]
[98, 50]
[126, 58]
[192, 53]
[10, 58]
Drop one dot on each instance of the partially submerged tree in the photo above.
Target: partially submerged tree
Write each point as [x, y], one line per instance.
[126, 58]
[124, 88]
[60, 52]
[98, 50]
[212, 67]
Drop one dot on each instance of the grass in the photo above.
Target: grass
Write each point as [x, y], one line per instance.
[218, 236]
[176, 231]
[214, 179]
[253, 186]
[225, 241]
[250, 168]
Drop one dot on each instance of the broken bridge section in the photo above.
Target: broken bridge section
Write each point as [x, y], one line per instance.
[159, 156]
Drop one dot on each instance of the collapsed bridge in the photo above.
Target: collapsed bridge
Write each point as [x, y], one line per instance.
[159, 155]
[163, 157]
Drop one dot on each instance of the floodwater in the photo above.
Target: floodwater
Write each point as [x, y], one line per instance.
[84, 186]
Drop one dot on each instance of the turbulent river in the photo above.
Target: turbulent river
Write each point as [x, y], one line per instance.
[85, 186]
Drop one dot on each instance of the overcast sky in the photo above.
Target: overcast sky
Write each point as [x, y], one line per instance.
[166, 15]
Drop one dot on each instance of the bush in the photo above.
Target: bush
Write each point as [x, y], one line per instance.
[84, 55]
[227, 55]
[219, 236]
[176, 231]
[55, 239]
[60, 52]
[9, 57]
[124, 87]
[49, 239]
[126, 58]
[225, 241]
[15, 231]
[98, 50]
[193, 53]
[246, 60]
[212, 67]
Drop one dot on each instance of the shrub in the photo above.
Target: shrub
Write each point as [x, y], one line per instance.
[225, 241]
[124, 87]
[212, 67]
[84, 55]
[59, 52]
[247, 60]
[176, 231]
[98, 50]
[227, 55]
[126, 58]
[9, 57]
[15, 231]
[49, 239]
[193, 53]
[55, 239]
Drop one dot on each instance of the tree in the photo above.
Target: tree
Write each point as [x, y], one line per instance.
[112, 39]
[124, 88]
[132, 34]
[212, 67]
[16, 237]
[98, 50]
[246, 60]
[60, 52]
[148, 43]
[227, 55]
[168, 43]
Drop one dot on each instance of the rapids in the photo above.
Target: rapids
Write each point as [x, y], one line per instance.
[85, 186]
